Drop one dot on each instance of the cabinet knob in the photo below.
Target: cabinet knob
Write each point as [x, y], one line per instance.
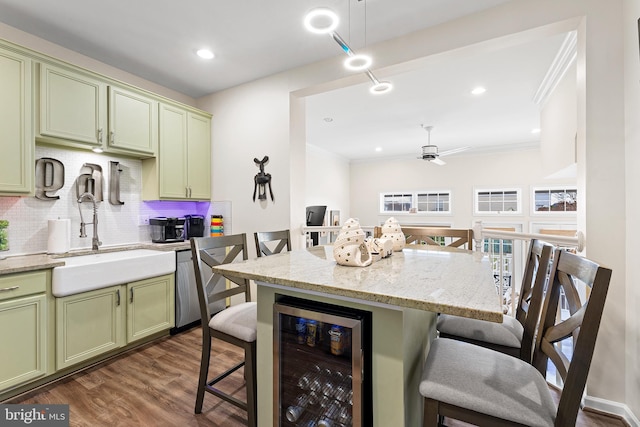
[100, 135]
[111, 136]
[12, 288]
[117, 297]
[131, 296]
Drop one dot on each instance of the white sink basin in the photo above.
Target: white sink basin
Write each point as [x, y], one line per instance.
[88, 272]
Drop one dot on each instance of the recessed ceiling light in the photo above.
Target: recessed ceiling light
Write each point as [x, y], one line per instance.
[321, 21]
[97, 150]
[205, 54]
[378, 149]
[535, 130]
[478, 91]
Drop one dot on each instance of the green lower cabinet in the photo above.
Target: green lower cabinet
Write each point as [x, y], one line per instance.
[89, 324]
[92, 323]
[23, 328]
[151, 307]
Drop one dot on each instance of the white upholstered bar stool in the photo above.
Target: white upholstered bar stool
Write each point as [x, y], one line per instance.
[515, 335]
[487, 388]
[235, 324]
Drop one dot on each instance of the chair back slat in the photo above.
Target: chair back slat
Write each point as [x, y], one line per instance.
[461, 237]
[279, 240]
[208, 252]
[582, 325]
[534, 283]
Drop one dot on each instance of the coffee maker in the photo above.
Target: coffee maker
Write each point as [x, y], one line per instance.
[194, 225]
[167, 230]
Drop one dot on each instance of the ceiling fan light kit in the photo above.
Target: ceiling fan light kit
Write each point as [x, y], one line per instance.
[430, 152]
[355, 62]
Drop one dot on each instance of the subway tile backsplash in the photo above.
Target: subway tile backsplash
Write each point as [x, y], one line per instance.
[117, 224]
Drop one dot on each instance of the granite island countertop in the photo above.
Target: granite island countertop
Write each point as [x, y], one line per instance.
[41, 261]
[436, 279]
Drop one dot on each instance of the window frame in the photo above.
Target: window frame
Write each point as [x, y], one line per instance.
[551, 188]
[414, 204]
[476, 194]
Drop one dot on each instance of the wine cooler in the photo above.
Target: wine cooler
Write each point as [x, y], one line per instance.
[322, 365]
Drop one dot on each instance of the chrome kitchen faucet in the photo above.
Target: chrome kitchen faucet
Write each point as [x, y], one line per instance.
[95, 241]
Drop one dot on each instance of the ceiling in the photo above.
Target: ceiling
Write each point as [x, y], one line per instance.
[157, 40]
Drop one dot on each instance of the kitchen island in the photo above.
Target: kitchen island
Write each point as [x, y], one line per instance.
[404, 293]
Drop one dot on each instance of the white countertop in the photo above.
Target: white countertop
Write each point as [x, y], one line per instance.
[435, 279]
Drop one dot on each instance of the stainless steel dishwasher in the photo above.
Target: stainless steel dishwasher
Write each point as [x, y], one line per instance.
[187, 306]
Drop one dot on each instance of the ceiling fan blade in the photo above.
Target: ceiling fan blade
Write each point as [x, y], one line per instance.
[453, 151]
[437, 161]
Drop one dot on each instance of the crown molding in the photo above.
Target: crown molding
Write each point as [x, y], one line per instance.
[565, 57]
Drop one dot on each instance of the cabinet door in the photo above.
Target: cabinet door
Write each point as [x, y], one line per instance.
[133, 122]
[199, 156]
[151, 307]
[89, 324]
[23, 329]
[16, 137]
[72, 107]
[172, 154]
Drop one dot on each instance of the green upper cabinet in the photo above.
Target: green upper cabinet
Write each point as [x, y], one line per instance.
[16, 135]
[133, 122]
[182, 169]
[72, 108]
[80, 110]
[199, 156]
[173, 152]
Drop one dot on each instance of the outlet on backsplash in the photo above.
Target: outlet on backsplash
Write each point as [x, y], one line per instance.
[143, 220]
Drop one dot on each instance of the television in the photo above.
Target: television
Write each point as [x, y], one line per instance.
[315, 217]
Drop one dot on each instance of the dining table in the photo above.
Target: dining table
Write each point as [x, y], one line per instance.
[404, 293]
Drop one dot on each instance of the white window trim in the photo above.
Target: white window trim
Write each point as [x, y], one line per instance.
[477, 212]
[388, 193]
[414, 203]
[535, 212]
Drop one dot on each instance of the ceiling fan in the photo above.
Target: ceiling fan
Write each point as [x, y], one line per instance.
[430, 152]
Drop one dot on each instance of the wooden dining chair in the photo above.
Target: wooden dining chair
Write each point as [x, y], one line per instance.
[235, 324]
[487, 388]
[278, 240]
[515, 335]
[453, 237]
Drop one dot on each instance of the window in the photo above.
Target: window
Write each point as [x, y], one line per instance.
[434, 202]
[424, 202]
[555, 200]
[397, 202]
[499, 201]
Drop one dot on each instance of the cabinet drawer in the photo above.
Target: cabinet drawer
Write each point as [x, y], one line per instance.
[21, 284]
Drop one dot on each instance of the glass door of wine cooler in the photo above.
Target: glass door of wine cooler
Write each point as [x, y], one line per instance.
[321, 365]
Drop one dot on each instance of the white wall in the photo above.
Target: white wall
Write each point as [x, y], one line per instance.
[252, 122]
[632, 155]
[514, 169]
[327, 181]
[558, 120]
[600, 123]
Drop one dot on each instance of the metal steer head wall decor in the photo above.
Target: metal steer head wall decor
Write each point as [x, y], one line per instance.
[262, 180]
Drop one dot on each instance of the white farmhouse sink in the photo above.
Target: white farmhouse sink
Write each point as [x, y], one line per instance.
[88, 272]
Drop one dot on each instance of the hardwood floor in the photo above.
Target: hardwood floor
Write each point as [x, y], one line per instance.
[154, 385]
